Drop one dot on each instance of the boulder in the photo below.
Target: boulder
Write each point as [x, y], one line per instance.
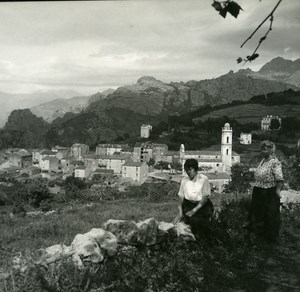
[166, 231]
[105, 239]
[54, 253]
[289, 196]
[184, 232]
[148, 230]
[127, 232]
[87, 249]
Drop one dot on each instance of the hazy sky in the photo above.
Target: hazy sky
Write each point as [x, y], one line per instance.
[90, 46]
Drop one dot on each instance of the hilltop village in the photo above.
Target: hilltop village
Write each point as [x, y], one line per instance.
[134, 164]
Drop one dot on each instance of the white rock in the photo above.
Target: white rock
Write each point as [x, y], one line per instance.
[148, 230]
[87, 248]
[105, 239]
[184, 231]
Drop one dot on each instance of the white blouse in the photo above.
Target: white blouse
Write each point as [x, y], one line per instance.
[195, 189]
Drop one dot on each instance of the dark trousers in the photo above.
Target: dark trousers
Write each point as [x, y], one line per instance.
[264, 215]
[200, 221]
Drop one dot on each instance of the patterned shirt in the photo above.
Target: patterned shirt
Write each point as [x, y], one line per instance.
[194, 190]
[268, 173]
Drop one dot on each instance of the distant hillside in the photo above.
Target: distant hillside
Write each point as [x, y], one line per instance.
[283, 104]
[58, 107]
[10, 102]
[24, 129]
[91, 128]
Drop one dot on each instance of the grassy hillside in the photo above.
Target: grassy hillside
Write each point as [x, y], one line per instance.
[233, 261]
[248, 113]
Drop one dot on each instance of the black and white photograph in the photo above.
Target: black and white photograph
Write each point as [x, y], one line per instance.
[150, 146]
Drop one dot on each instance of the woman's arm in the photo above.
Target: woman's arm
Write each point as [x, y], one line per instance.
[179, 216]
[279, 185]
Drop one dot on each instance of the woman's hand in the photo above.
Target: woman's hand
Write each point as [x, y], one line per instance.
[177, 219]
[190, 213]
[278, 194]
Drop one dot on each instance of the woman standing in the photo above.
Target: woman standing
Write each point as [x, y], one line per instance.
[195, 207]
[265, 204]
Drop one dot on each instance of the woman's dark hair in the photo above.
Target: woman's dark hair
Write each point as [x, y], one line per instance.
[191, 163]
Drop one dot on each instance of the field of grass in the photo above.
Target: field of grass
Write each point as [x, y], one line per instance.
[232, 261]
[253, 112]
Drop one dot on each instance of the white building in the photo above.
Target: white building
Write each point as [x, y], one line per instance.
[81, 172]
[137, 171]
[245, 138]
[145, 130]
[109, 149]
[113, 162]
[78, 150]
[214, 161]
[266, 122]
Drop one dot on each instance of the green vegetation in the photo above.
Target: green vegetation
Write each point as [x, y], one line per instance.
[233, 260]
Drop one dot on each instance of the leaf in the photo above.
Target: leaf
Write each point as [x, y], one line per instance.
[239, 60]
[252, 57]
[217, 5]
[223, 12]
[233, 8]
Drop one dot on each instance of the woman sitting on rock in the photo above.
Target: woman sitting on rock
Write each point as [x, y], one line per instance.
[195, 207]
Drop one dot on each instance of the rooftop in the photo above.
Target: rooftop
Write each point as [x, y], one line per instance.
[48, 152]
[133, 164]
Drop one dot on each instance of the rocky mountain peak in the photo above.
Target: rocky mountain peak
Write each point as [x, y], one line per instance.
[280, 64]
[148, 81]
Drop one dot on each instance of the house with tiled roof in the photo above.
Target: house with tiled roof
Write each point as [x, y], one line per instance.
[79, 150]
[143, 152]
[137, 171]
[20, 159]
[109, 149]
[31, 171]
[49, 163]
[81, 172]
[61, 151]
[113, 162]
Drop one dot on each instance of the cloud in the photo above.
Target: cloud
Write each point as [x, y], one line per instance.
[90, 44]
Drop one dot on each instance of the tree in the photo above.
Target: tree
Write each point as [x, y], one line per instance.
[275, 124]
[239, 181]
[36, 192]
[151, 162]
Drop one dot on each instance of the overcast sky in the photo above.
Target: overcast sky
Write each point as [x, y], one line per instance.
[89, 46]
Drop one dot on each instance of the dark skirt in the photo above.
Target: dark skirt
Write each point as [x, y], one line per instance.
[265, 212]
[200, 221]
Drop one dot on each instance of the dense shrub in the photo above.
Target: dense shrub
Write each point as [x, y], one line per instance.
[19, 209]
[46, 205]
[3, 199]
[37, 191]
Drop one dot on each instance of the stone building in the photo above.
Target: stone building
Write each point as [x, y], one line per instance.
[145, 130]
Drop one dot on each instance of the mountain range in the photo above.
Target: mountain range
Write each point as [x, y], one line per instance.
[112, 114]
[278, 69]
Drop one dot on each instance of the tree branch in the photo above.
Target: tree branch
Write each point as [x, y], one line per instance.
[270, 15]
